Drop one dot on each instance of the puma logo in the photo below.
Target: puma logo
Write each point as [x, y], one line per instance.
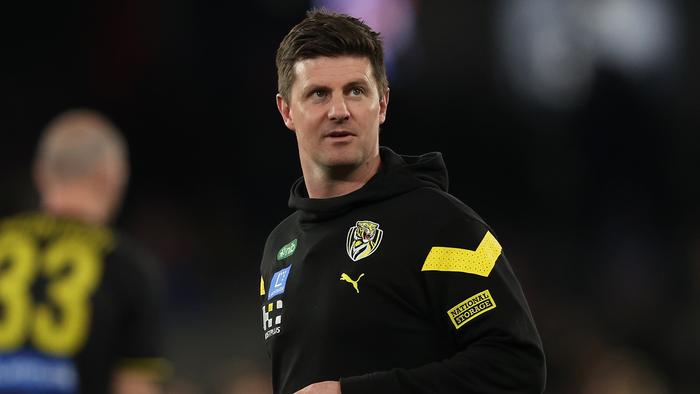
[348, 279]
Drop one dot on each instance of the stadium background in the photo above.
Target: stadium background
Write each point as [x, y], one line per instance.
[571, 126]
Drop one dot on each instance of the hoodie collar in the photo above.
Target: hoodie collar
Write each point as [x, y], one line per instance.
[397, 174]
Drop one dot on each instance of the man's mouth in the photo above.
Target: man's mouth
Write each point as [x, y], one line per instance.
[339, 134]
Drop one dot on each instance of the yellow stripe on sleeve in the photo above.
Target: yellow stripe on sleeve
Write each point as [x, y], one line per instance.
[478, 262]
[262, 286]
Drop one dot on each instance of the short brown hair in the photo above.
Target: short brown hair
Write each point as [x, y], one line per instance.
[325, 33]
[76, 141]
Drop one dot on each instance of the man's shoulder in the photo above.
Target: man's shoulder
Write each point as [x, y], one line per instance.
[283, 228]
[132, 265]
[446, 220]
[287, 223]
[44, 228]
[44, 233]
[442, 206]
[129, 249]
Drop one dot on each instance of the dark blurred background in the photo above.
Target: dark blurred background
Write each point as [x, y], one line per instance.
[571, 126]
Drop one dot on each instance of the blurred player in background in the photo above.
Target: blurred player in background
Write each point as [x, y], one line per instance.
[79, 304]
[381, 281]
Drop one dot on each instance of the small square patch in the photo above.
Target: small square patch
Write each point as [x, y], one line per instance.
[278, 282]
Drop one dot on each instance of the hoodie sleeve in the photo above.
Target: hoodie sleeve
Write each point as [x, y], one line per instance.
[479, 304]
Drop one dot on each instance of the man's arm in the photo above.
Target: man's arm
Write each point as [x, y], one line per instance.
[140, 367]
[481, 307]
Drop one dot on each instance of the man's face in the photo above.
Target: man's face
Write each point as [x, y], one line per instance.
[335, 111]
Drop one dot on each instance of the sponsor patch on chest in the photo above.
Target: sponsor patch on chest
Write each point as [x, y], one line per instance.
[278, 282]
[272, 318]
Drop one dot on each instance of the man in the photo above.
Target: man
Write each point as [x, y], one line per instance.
[78, 304]
[381, 281]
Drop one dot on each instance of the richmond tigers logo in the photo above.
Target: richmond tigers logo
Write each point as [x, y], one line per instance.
[363, 239]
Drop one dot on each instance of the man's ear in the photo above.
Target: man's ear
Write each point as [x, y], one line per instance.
[383, 104]
[39, 176]
[284, 109]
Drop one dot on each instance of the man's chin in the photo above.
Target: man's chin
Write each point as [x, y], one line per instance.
[340, 166]
[342, 159]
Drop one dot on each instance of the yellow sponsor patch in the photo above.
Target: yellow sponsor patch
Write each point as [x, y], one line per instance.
[478, 262]
[470, 308]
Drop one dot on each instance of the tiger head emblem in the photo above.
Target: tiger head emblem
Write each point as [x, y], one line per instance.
[363, 239]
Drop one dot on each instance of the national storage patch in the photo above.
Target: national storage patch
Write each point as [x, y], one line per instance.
[470, 308]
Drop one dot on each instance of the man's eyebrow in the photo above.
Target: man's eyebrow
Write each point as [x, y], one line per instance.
[356, 82]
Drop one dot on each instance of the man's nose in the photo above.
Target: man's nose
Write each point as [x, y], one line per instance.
[339, 110]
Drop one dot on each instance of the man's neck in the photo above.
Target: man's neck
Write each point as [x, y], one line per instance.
[338, 181]
[74, 203]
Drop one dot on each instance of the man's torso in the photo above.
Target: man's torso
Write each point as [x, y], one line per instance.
[346, 297]
[63, 304]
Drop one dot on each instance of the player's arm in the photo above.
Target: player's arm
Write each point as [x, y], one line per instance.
[482, 308]
[141, 367]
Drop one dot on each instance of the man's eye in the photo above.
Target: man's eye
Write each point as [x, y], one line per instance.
[319, 93]
[356, 91]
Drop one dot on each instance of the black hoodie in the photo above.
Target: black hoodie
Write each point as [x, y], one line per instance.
[397, 287]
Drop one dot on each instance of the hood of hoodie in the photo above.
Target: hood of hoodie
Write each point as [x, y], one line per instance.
[397, 174]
